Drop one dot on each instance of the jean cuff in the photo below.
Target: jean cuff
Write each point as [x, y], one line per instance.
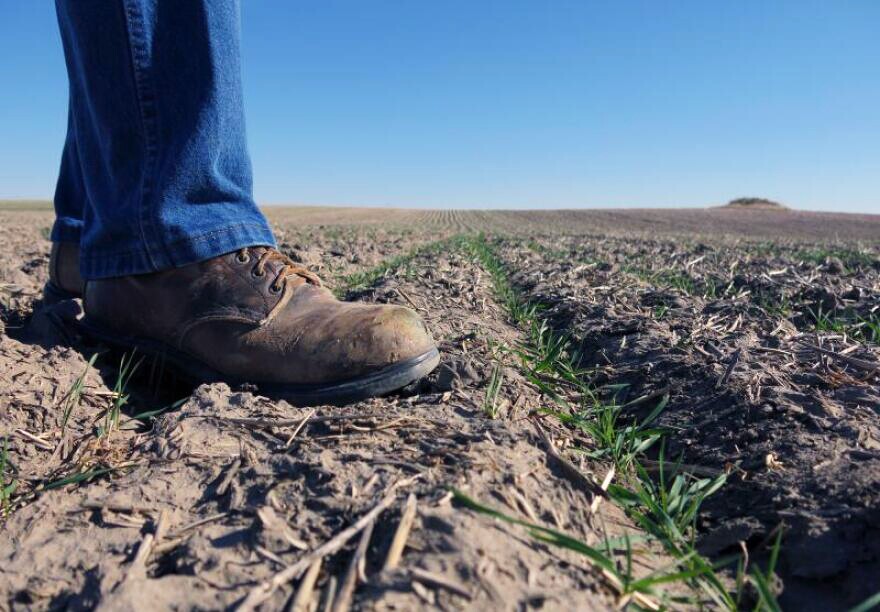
[96, 263]
[66, 229]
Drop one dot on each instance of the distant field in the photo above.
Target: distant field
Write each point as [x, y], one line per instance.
[646, 409]
[759, 223]
[720, 221]
[25, 205]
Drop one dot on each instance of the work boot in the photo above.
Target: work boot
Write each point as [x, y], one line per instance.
[254, 316]
[65, 283]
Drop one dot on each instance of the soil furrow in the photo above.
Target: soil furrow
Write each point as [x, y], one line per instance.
[795, 428]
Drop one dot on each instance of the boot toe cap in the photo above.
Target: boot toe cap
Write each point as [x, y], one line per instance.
[397, 334]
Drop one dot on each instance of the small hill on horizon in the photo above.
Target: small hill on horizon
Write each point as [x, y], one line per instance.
[755, 203]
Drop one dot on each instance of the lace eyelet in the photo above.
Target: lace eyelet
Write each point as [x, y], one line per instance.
[275, 289]
[242, 259]
[257, 274]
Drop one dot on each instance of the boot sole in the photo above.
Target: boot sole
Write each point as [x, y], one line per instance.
[380, 382]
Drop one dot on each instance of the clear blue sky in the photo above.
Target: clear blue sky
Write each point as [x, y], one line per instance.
[519, 103]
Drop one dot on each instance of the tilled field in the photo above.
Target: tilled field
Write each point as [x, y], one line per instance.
[643, 409]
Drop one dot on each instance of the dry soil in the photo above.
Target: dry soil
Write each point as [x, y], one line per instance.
[758, 328]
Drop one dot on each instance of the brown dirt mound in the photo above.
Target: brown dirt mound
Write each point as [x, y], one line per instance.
[751, 203]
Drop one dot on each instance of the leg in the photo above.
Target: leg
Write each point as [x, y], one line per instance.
[70, 193]
[157, 129]
[179, 262]
[65, 281]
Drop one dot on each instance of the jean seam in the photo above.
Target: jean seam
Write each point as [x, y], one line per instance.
[186, 240]
[148, 110]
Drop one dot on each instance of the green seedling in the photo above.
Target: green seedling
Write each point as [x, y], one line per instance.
[120, 396]
[857, 327]
[777, 306]
[676, 280]
[490, 405]
[827, 322]
[8, 485]
[74, 395]
[623, 582]
[361, 280]
[851, 258]
[620, 442]
[872, 603]
[667, 510]
[870, 328]
[79, 477]
[763, 580]
[148, 415]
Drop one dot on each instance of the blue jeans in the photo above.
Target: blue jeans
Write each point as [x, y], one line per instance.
[155, 172]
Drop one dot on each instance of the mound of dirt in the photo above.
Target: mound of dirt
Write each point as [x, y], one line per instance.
[755, 203]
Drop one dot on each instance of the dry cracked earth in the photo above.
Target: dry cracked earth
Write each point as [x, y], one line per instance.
[749, 339]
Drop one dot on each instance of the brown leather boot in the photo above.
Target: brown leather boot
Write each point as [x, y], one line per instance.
[65, 283]
[256, 317]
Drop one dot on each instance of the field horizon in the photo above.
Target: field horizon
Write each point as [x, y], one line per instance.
[745, 222]
[14, 203]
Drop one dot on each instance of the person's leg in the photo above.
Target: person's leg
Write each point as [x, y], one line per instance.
[156, 154]
[179, 262]
[70, 193]
[65, 281]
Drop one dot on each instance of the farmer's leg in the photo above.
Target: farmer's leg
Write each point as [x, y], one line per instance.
[156, 155]
[70, 197]
[70, 193]
[178, 261]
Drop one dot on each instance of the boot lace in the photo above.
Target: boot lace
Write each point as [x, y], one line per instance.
[285, 280]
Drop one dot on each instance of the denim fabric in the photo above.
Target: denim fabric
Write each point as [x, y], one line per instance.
[155, 171]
